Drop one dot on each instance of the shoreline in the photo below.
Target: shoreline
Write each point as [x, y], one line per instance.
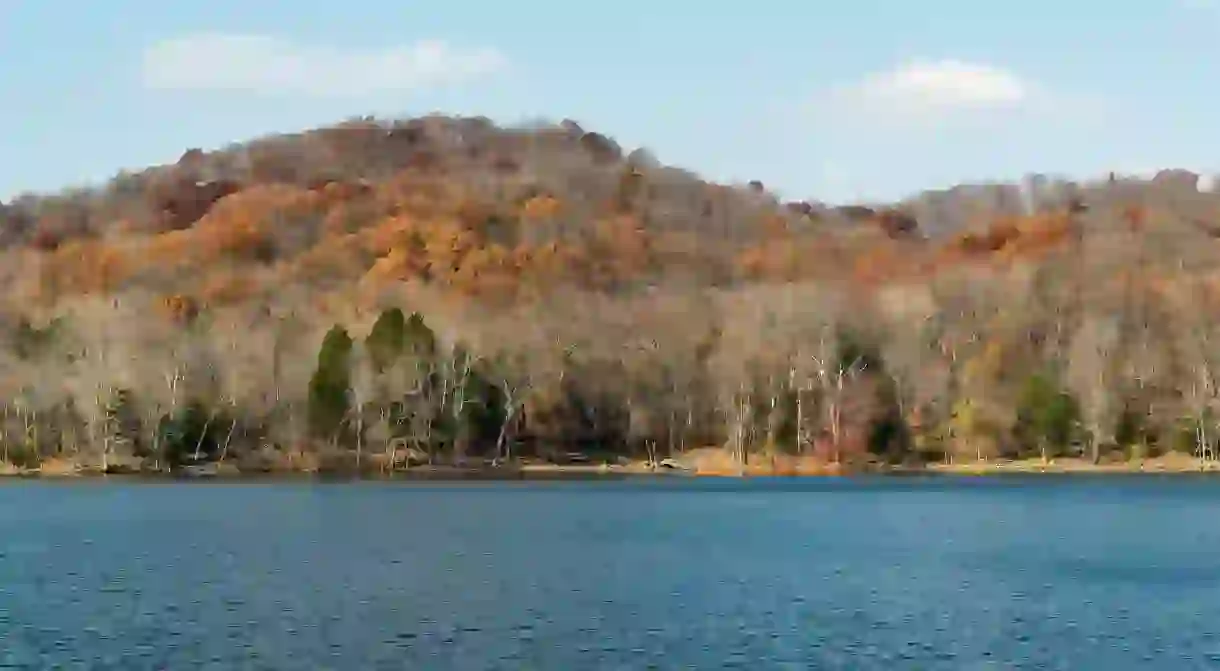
[1172, 465]
[226, 473]
[1165, 465]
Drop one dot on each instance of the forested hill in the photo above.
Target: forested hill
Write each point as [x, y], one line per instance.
[541, 287]
[504, 201]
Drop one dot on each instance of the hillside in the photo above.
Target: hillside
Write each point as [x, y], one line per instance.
[437, 288]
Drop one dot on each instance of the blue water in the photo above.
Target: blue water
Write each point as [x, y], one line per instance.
[920, 573]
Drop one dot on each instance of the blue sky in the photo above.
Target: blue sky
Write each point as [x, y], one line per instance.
[836, 101]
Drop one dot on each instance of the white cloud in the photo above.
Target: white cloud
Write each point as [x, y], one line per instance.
[928, 122]
[213, 61]
[939, 86]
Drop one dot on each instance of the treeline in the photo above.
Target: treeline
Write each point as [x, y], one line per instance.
[381, 294]
[966, 368]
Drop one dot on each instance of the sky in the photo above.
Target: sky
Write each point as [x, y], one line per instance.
[835, 101]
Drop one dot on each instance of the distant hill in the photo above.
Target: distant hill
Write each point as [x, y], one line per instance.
[283, 201]
[604, 298]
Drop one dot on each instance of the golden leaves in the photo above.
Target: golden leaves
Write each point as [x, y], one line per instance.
[83, 267]
[179, 308]
[782, 261]
[241, 236]
[877, 264]
[489, 273]
[540, 207]
[227, 287]
[775, 226]
[335, 259]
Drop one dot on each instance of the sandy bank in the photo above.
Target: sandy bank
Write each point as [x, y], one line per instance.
[706, 462]
[1166, 464]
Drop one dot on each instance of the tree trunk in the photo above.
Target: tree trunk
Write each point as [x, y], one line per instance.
[359, 436]
[673, 428]
[503, 448]
[207, 424]
[390, 450]
[800, 423]
[833, 411]
[738, 439]
[224, 450]
[508, 432]
[1204, 439]
[4, 433]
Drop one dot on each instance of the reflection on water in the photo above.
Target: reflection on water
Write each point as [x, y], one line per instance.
[1055, 573]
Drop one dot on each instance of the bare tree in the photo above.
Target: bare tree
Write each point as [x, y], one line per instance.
[1093, 376]
[1198, 345]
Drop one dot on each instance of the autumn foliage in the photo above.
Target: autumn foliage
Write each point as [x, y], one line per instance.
[556, 240]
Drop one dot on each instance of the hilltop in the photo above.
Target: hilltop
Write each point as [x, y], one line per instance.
[542, 287]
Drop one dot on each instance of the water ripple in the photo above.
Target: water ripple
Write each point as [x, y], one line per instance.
[885, 575]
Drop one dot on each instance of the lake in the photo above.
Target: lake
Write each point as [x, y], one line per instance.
[1109, 572]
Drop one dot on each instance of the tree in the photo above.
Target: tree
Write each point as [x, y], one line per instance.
[1092, 375]
[511, 373]
[328, 388]
[418, 339]
[388, 339]
[1047, 415]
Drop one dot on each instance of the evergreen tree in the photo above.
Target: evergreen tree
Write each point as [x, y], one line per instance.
[387, 340]
[330, 384]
